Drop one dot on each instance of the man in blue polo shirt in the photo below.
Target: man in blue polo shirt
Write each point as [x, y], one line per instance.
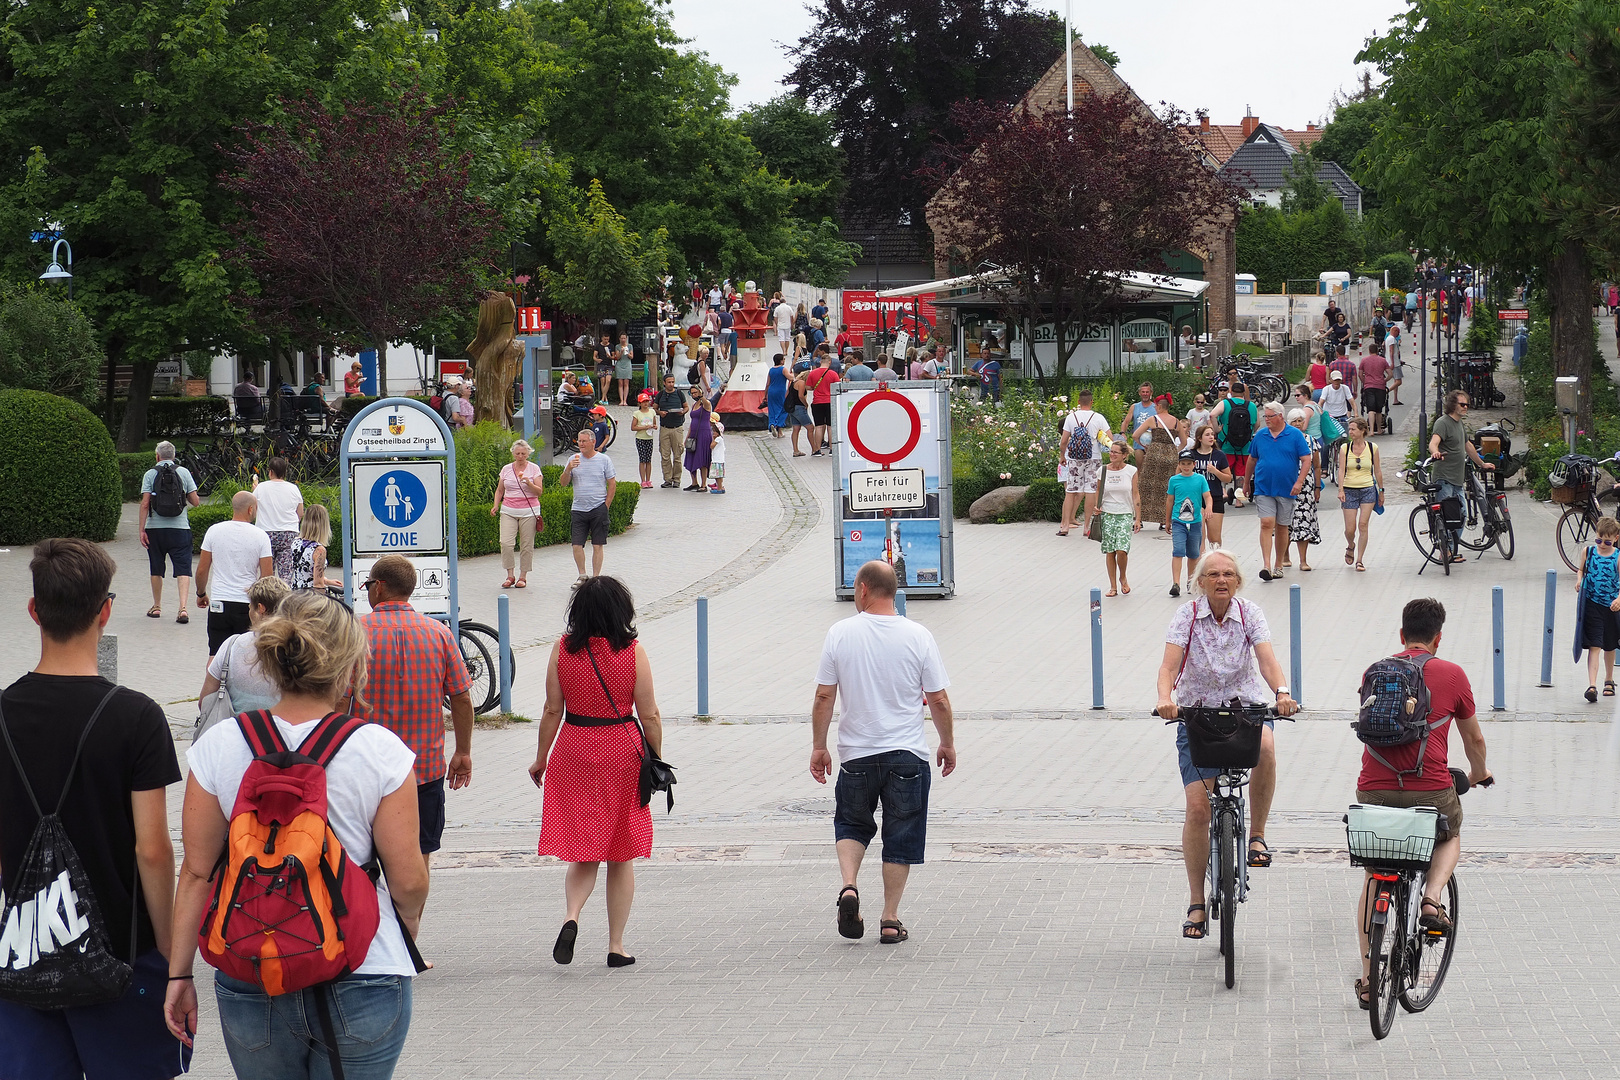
[1279, 459]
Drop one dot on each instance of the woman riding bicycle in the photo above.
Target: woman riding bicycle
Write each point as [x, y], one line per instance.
[1210, 653]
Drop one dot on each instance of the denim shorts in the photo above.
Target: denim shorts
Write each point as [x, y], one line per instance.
[127, 1037]
[1280, 507]
[269, 1038]
[173, 543]
[1353, 498]
[1189, 774]
[1186, 539]
[430, 815]
[900, 781]
[801, 416]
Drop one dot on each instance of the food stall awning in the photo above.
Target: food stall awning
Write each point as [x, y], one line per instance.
[942, 285]
[1138, 288]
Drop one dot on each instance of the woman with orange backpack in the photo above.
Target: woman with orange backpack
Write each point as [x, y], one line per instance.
[310, 817]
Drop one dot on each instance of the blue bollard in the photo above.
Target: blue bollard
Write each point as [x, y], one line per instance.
[703, 655]
[1499, 671]
[503, 662]
[1296, 661]
[1547, 628]
[1096, 650]
[900, 602]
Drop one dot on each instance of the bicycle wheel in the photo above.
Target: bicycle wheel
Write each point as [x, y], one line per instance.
[482, 670]
[1430, 542]
[1428, 958]
[490, 639]
[1504, 530]
[1227, 883]
[1574, 533]
[1384, 946]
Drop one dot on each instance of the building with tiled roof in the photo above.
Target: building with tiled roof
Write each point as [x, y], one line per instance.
[1223, 140]
[1263, 162]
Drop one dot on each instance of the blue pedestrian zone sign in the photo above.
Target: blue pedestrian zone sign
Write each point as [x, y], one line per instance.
[400, 508]
[399, 500]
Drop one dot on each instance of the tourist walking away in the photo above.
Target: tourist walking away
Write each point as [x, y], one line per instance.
[671, 406]
[592, 477]
[235, 554]
[1080, 454]
[783, 318]
[796, 403]
[282, 1008]
[1212, 649]
[699, 443]
[1397, 369]
[309, 553]
[644, 425]
[1142, 411]
[717, 456]
[1186, 501]
[281, 508]
[600, 712]
[1279, 459]
[1417, 772]
[1121, 508]
[167, 491]
[1216, 470]
[1238, 420]
[883, 667]
[1374, 374]
[1304, 528]
[235, 668]
[1158, 460]
[1361, 489]
[415, 668]
[99, 757]
[1317, 376]
[820, 382]
[1599, 586]
[1450, 448]
[517, 503]
[776, 392]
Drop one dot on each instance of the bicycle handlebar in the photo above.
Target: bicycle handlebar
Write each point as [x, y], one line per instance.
[1459, 781]
[1254, 712]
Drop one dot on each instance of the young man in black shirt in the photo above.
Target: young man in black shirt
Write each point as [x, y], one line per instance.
[672, 407]
[114, 815]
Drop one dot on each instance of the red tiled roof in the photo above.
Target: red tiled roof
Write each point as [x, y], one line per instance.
[1223, 140]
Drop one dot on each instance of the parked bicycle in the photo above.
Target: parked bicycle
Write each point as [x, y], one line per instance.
[1226, 738]
[1263, 385]
[1434, 519]
[1576, 485]
[1409, 960]
[1488, 522]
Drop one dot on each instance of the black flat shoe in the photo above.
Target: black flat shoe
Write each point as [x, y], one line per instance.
[618, 960]
[563, 951]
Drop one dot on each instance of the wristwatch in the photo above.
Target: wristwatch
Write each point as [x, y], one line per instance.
[1281, 690]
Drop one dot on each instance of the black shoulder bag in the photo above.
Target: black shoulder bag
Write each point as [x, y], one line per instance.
[656, 773]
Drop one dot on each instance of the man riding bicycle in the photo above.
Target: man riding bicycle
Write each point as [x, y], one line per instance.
[1210, 653]
[1397, 780]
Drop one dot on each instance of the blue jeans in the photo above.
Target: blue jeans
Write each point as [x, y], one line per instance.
[899, 780]
[1454, 491]
[1186, 539]
[280, 1038]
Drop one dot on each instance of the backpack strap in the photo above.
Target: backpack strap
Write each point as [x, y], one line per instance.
[84, 737]
[260, 732]
[326, 740]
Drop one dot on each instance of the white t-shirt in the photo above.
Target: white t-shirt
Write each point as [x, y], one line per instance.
[718, 455]
[1195, 419]
[237, 547]
[1336, 400]
[278, 505]
[1116, 491]
[784, 319]
[237, 666]
[371, 765]
[882, 666]
[1095, 422]
[931, 368]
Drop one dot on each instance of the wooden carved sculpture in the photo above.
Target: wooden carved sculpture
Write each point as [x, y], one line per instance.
[495, 354]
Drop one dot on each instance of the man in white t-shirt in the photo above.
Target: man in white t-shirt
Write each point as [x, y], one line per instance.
[236, 553]
[886, 667]
[783, 317]
[1079, 474]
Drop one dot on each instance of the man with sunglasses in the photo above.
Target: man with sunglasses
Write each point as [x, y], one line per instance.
[1449, 446]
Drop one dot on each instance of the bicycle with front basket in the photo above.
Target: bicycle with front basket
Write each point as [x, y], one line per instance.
[1408, 960]
[1576, 485]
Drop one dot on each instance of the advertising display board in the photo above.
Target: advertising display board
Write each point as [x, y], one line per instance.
[398, 497]
[899, 313]
[892, 443]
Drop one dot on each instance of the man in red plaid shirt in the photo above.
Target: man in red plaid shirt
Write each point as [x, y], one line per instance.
[414, 665]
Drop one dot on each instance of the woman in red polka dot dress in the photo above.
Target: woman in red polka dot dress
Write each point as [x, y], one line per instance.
[590, 757]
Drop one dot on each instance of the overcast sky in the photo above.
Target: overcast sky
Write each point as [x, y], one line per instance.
[1282, 58]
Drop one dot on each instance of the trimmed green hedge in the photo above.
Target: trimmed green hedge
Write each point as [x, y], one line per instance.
[59, 474]
[132, 470]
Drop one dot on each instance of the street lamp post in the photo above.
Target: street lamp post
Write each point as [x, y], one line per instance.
[55, 273]
[1423, 366]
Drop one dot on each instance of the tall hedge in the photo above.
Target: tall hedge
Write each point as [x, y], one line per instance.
[58, 470]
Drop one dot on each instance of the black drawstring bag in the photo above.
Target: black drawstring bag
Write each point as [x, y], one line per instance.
[54, 950]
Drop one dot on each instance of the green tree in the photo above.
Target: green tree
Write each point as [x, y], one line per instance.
[1465, 163]
[1585, 138]
[1349, 132]
[608, 271]
[47, 344]
[120, 109]
[1277, 247]
[1302, 191]
[797, 143]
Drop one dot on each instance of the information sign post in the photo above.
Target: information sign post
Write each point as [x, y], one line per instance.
[398, 495]
[537, 390]
[892, 443]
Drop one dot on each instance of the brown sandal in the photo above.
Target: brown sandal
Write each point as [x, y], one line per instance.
[1364, 994]
[899, 932]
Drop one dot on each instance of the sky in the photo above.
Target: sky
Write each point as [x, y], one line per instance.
[1282, 59]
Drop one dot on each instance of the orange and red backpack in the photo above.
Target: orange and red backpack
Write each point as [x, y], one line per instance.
[290, 908]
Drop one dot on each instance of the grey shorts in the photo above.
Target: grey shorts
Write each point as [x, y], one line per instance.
[1280, 507]
[1352, 498]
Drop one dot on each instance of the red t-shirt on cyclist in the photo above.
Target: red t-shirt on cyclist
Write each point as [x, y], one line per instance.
[1450, 696]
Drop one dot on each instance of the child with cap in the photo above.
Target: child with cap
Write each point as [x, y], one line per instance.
[1186, 501]
[717, 456]
[644, 422]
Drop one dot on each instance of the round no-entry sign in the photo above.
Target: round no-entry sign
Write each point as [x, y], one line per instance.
[884, 426]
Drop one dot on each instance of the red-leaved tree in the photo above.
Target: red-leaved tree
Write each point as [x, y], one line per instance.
[357, 222]
[1065, 204]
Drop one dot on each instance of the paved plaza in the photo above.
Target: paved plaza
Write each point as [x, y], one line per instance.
[1045, 927]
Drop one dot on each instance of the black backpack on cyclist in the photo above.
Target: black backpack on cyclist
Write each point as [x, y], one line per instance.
[1395, 709]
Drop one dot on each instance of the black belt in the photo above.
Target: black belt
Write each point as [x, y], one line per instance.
[594, 721]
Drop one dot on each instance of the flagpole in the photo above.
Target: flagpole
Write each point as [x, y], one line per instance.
[1068, 53]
